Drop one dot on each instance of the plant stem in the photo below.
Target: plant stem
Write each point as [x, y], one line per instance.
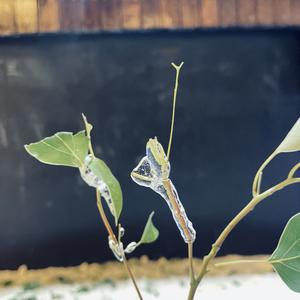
[293, 170]
[281, 260]
[175, 207]
[249, 207]
[104, 218]
[242, 261]
[258, 175]
[112, 235]
[202, 273]
[192, 291]
[110, 232]
[88, 129]
[127, 267]
[191, 265]
[174, 107]
[235, 221]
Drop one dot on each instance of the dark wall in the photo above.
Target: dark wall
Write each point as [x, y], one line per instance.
[239, 95]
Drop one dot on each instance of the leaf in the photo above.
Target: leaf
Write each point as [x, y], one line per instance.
[114, 198]
[286, 258]
[292, 141]
[150, 233]
[62, 149]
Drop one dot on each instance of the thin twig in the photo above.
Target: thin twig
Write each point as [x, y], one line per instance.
[191, 264]
[174, 107]
[235, 221]
[104, 218]
[259, 180]
[242, 261]
[128, 269]
[258, 175]
[294, 170]
[107, 225]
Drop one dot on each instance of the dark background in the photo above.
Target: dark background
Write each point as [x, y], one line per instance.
[239, 95]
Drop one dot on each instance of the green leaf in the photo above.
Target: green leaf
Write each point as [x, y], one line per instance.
[62, 149]
[286, 258]
[106, 179]
[291, 142]
[150, 233]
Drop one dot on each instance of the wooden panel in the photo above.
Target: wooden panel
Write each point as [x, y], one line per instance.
[7, 18]
[210, 13]
[264, 12]
[228, 12]
[48, 15]
[132, 14]
[282, 11]
[150, 16]
[190, 13]
[92, 14]
[169, 14]
[72, 15]
[246, 12]
[26, 16]
[295, 12]
[111, 14]
[29, 16]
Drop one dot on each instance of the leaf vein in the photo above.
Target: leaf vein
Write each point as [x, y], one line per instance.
[291, 247]
[70, 149]
[56, 149]
[290, 267]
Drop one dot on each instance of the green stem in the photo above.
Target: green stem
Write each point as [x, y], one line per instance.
[192, 291]
[88, 128]
[191, 265]
[281, 260]
[128, 269]
[104, 218]
[294, 170]
[235, 221]
[258, 175]
[174, 107]
[258, 261]
[242, 261]
[202, 273]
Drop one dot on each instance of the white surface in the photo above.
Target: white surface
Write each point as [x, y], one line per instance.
[246, 287]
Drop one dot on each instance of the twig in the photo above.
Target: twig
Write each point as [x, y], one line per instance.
[191, 265]
[235, 221]
[177, 68]
[242, 261]
[107, 225]
[128, 269]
